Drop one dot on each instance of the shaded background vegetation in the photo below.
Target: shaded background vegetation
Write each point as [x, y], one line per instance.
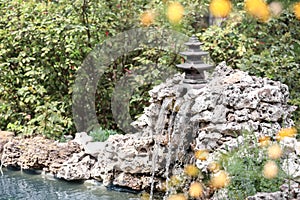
[43, 43]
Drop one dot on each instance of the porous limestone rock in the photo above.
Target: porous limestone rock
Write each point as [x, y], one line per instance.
[129, 154]
[231, 102]
[78, 167]
[37, 153]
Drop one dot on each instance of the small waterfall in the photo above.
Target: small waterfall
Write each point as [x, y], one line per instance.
[159, 129]
[170, 146]
[182, 132]
[177, 143]
[173, 121]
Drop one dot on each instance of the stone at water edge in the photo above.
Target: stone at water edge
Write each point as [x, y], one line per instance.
[5, 136]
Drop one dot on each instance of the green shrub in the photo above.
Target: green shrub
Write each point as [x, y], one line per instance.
[245, 166]
[43, 44]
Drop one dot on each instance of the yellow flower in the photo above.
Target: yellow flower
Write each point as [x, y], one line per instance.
[220, 8]
[258, 9]
[201, 154]
[213, 167]
[147, 18]
[196, 190]
[270, 170]
[219, 180]
[264, 141]
[175, 12]
[177, 197]
[286, 132]
[274, 151]
[191, 170]
[174, 181]
[296, 9]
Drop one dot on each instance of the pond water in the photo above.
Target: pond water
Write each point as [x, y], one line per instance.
[20, 185]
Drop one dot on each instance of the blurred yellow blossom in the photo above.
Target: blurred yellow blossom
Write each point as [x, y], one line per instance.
[296, 9]
[177, 197]
[274, 151]
[219, 180]
[286, 132]
[191, 170]
[220, 8]
[270, 170]
[174, 181]
[196, 190]
[147, 18]
[276, 8]
[264, 141]
[201, 154]
[175, 12]
[258, 9]
[213, 167]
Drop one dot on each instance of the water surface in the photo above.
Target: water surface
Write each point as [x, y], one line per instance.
[15, 185]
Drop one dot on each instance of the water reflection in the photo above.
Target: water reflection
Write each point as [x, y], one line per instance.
[19, 185]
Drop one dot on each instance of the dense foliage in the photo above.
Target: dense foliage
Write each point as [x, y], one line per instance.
[43, 44]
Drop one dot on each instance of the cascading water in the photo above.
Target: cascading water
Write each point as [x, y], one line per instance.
[159, 128]
[173, 124]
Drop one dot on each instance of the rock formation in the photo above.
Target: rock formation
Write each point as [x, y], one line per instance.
[37, 153]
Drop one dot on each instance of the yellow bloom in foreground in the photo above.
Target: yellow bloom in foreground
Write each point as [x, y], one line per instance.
[147, 18]
[174, 181]
[201, 154]
[213, 167]
[276, 8]
[258, 9]
[296, 9]
[264, 141]
[274, 151]
[175, 12]
[220, 8]
[219, 180]
[270, 170]
[196, 190]
[191, 170]
[286, 132]
[177, 197]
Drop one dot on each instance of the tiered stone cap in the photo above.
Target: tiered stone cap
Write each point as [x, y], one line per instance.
[194, 66]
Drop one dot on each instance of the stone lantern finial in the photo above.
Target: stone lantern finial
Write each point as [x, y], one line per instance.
[194, 66]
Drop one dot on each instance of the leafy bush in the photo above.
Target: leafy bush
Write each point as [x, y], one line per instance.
[43, 44]
[245, 165]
